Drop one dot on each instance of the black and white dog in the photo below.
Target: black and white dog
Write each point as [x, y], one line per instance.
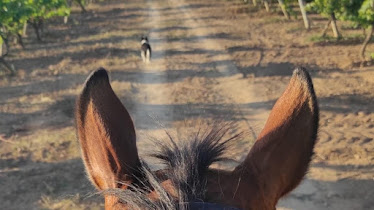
[145, 50]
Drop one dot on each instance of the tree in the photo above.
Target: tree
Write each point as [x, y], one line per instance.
[360, 12]
[3, 52]
[328, 8]
[13, 15]
[45, 9]
[82, 4]
[366, 19]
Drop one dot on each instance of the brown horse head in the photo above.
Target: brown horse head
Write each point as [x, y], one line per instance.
[274, 166]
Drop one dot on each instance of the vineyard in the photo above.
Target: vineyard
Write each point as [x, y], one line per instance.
[212, 60]
[16, 15]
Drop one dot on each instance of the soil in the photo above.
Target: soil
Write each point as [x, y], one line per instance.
[212, 61]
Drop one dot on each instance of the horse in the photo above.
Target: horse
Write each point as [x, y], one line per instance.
[273, 167]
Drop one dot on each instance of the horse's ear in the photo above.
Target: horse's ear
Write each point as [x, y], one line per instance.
[106, 134]
[281, 155]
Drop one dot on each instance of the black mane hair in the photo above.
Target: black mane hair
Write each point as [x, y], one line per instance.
[187, 164]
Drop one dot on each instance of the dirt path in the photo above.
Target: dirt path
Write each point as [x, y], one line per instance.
[200, 92]
[212, 60]
[218, 93]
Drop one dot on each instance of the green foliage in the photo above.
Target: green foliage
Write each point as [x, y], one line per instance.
[288, 7]
[349, 9]
[13, 14]
[325, 7]
[45, 9]
[358, 11]
[366, 13]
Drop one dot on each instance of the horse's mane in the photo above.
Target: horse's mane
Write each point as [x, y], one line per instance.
[187, 164]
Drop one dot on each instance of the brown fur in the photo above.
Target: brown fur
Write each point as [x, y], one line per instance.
[273, 167]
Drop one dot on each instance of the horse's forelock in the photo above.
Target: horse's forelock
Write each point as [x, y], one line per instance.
[187, 163]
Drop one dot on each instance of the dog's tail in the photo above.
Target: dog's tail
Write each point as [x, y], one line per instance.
[148, 55]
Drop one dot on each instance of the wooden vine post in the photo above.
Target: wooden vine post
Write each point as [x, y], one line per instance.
[303, 13]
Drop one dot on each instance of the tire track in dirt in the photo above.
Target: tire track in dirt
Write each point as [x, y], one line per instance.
[226, 73]
[151, 112]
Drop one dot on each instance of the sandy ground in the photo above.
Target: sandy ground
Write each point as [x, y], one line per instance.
[212, 60]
